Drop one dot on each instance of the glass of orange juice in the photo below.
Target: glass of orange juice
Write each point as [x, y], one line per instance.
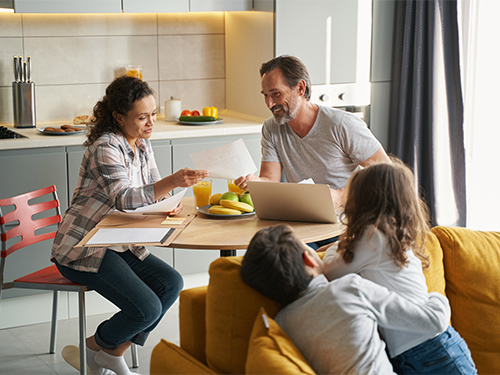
[134, 71]
[231, 186]
[202, 192]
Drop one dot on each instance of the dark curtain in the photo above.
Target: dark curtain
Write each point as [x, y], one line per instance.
[426, 114]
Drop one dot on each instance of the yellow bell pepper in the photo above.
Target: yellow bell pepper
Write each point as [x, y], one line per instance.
[211, 111]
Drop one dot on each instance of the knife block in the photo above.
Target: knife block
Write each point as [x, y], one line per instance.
[23, 95]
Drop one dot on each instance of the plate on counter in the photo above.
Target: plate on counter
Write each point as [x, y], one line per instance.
[79, 131]
[204, 210]
[219, 120]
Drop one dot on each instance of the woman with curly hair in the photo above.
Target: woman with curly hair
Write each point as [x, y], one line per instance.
[386, 225]
[119, 171]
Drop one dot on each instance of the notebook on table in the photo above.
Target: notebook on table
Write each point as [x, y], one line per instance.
[292, 201]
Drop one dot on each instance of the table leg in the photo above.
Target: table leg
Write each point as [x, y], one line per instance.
[228, 253]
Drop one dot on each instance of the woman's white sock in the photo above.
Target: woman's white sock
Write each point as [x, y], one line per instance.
[94, 368]
[112, 362]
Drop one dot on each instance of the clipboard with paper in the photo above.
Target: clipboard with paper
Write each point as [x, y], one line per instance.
[120, 228]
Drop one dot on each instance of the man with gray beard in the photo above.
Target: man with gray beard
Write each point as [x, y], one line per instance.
[305, 140]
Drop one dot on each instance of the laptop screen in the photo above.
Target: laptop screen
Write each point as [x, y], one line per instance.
[292, 201]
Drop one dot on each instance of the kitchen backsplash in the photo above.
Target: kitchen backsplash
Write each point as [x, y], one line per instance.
[75, 56]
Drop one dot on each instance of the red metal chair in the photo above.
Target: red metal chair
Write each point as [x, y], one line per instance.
[21, 226]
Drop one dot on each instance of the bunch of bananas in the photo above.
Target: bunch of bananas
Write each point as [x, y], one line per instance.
[227, 207]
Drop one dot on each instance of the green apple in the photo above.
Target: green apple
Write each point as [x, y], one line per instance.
[230, 196]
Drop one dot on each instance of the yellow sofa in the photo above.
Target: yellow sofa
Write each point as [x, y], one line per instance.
[227, 327]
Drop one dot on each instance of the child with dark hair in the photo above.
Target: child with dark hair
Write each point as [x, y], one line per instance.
[386, 224]
[334, 324]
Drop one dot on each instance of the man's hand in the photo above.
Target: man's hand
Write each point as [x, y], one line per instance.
[338, 197]
[241, 182]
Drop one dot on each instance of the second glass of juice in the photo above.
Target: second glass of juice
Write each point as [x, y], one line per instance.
[202, 192]
[231, 186]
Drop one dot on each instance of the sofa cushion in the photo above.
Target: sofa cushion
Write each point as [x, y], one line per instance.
[167, 358]
[192, 329]
[472, 267]
[271, 351]
[434, 274]
[231, 310]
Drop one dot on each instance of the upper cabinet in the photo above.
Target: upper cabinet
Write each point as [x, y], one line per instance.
[220, 5]
[67, 6]
[155, 6]
[331, 37]
[129, 6]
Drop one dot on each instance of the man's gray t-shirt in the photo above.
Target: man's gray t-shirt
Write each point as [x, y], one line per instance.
[334, 147]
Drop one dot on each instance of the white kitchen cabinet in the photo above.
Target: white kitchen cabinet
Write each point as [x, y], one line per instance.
[155, 6]
[166, 6]
[331, 37]
[220, 5]
[129, 6]
[67, 6]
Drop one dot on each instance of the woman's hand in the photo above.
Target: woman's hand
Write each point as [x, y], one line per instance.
[188, 177]
[176, 211]
[183, 178]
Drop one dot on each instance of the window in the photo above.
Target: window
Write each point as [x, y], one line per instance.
[480, 29]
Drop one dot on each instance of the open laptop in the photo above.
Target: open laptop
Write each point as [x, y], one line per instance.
[292, 201]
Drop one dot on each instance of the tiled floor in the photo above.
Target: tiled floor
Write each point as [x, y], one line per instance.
[25, 350]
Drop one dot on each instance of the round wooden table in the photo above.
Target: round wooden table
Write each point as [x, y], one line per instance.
[231, 234]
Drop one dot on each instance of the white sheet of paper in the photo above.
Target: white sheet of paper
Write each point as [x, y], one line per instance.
[165, 205]
[228, 161]
[108, 236]
[307, 181]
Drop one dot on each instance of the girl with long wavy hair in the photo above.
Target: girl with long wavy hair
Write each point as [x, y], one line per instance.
[384, 241]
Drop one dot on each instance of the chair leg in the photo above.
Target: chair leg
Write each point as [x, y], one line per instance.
[53, 326]
[83, 333]
[135, 358]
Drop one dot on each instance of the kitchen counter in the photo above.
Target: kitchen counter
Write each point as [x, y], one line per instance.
[233, 124]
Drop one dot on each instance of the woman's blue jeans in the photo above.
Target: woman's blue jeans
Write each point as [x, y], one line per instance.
[142, 290]
[445, 354]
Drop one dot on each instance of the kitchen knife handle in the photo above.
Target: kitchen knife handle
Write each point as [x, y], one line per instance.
[25, 68]
[16, 69]
[28, 78]
[20, 62]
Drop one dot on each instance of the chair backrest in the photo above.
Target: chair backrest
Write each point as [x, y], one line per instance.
[29, 219]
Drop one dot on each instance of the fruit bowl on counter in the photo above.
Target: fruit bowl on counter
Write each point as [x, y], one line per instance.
[199, 120]
[210, 116]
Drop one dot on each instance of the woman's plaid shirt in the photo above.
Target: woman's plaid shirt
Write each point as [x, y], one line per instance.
[104, 184]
